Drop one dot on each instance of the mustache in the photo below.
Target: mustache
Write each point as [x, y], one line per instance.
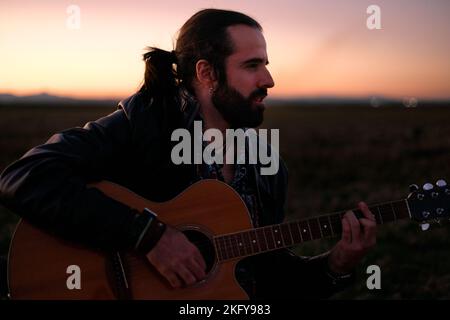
[260, 92]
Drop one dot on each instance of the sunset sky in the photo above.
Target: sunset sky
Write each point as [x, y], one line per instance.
[315, 48]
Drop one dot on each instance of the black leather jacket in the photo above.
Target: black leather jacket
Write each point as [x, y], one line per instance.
[47, 186]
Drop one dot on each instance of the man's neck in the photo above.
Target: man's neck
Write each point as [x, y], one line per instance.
[212, 118]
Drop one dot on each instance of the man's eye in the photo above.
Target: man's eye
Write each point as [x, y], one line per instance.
[252, 66]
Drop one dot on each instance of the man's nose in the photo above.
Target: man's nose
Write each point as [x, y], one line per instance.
[266, 80]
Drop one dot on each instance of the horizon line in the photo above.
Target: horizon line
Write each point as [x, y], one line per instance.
[269, 97]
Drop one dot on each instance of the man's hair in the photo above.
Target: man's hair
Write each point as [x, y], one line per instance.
[203, 36]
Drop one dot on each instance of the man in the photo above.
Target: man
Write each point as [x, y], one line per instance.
[218, 74]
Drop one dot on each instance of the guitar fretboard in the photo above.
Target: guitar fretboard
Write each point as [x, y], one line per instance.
[258, 240]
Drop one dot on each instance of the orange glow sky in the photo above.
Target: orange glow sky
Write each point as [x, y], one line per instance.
[315, 47]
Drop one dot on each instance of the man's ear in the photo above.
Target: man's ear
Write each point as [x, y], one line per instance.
[205, 74]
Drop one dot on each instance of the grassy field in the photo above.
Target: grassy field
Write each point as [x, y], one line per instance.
[336, 156]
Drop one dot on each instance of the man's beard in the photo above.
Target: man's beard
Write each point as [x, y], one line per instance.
[237, 110]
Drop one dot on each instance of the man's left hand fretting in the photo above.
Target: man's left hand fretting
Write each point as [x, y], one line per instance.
[358, 237]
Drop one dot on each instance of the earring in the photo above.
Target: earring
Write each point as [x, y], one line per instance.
[211, 90]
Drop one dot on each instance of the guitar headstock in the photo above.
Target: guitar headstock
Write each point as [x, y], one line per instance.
[431, 203]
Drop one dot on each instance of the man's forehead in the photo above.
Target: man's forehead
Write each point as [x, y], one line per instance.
[248, 42]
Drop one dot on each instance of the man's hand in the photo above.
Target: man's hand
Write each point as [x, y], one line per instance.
[177, 259]
[358, 236]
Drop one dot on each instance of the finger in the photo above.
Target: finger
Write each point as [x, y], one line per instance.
[346, 231]
[370, 228]
[199, 259]
[186, 275]
[366, 211]
[354, 226]
[196, 269]
[173, 279]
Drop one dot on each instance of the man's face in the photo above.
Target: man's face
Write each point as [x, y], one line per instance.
[240, 100]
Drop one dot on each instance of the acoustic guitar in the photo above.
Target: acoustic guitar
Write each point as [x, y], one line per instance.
[213, 216]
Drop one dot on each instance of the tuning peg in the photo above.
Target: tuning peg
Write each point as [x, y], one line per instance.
[441, 183]
[425, 226]
[413, 187]
[427, 187]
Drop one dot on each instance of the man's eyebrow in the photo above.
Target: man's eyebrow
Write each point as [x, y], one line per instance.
[256, 60]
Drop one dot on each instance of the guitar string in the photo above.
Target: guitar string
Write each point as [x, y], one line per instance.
[248, 249]
[136, 261]
[315, 230]
[229, 249]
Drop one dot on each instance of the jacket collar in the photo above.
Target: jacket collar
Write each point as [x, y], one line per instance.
[188, 105]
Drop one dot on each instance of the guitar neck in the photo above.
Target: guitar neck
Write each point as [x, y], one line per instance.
[277, 236]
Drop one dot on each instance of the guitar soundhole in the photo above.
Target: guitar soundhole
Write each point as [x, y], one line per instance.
[205, 246]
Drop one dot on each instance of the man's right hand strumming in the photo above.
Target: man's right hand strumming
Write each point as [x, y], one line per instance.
[177, 259]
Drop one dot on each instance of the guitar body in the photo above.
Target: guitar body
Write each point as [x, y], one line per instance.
[39, 262]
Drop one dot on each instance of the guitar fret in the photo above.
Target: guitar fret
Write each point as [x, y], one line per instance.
[336, 222]
[402, 209]
[265, 238]
[261, 239]
[222, 248]
[285, 233]
[218, 249]
[295, 232]
[277, 236]
[315, 228]
[241, 246]
[386, 213]
[269, 236]
[229, 246]
[236, 245]
[306, 232]
[247, 242]
[232, 248]
[291, 236]
[380, 217]
[254, 239]
[299, 228]
[309, 228]
[331, 226]
[393, 211]
[324, 226]
[225, 246]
